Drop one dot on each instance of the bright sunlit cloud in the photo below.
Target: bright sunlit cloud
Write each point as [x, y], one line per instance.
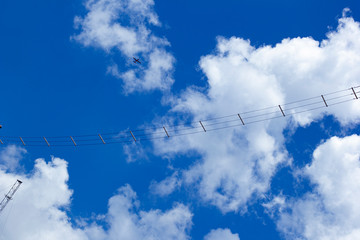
[126, 27]
[39, 209]
[188, 119]
[237, 165]
[331, 210]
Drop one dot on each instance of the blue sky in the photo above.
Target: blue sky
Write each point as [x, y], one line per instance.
[66, 69]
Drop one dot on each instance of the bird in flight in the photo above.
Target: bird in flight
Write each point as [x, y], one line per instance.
[136, 60]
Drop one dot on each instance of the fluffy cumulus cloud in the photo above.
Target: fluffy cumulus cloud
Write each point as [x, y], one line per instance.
[10, 157]
[125, 25]
[220, 234]
[236, 165]
[331, 210]
[39, 210]
[166, 186]
[127, 223]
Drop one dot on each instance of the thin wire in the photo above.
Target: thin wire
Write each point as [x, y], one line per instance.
[183, 134]
[216, 118]
[344, 90]
[266, 119]
[183, 125]
[259, 115]
[343, 101]
[303, 100]
[186, 129]
[179, 129]
[305, 105]
[229, 121]
[208, 125]
[259, 110]
[156, 128]
[329, 99]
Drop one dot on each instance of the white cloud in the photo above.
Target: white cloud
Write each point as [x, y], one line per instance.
[220, 234]
[134, 152]
[102, 26]
[276, 204]
[237, 164]
[10, 157]
[128, 223]
[156, 76]
[166, 186]
[306, 68]
[331, 210]
[39, 210]
[125, 25]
